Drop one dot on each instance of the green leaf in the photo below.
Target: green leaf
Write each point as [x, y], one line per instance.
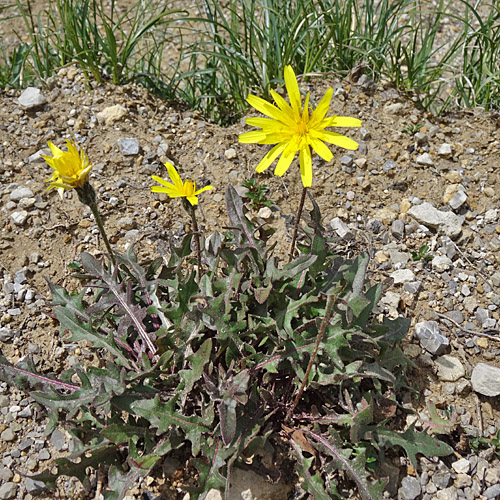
[313, 483]
[413, 443]
[198, 360]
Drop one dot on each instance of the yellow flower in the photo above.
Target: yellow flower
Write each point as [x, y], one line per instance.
[71, 168]
[176, 189]
[292, 129]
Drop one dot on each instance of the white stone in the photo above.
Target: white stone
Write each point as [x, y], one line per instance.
[403, 276]
[31, 98]
[449, 368]
[461, 466]
[425, 160]
[444, 150]
[20, 193]
[129, 146]
[491, 216]
[265, 213]
[486, 380]
[230, 154]
[441, 263]
[112, 114]
[459, 198]
[341, 228]
[445, 222]
[19, 217]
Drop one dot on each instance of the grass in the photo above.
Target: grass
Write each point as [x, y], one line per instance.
[229, 49]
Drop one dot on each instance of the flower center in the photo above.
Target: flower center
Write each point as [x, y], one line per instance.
[302, 128]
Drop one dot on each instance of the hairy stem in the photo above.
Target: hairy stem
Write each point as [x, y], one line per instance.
[297, 221]
[328, 312]
[196, 237]
[100, 225]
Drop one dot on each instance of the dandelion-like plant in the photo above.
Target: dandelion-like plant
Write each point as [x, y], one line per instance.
[292, 128]
[187, 191]
[71, 171]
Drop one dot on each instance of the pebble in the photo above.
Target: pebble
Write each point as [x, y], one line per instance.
[265, 213]
[425, 160]
[403, 276]
[20, 193]
[389, 165]
[445, 150]
[8, 435]
[6, 334]
[492, 492]
[458, 199]
[449, 368]
[126, 223]
[341, 228]
[450, 493]
[57, 440]
[394, 108]
[8, 490]
[410, 488]
[231, 154]
[31, 98]
[491, 216]
[461, 466]
[441, 263]
[347, 161]
[364, 134]
[112, 114]
[431, 338]
[485, 379]
[129, 146]
[35, 487]
[446, 222]
[19, 217]
[398, 229]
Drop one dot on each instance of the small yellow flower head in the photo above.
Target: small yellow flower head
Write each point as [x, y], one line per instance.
[293, 129]
[176, 189]
[71, 168]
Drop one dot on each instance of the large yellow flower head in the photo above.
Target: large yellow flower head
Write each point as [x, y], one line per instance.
[176, 188]
[293, 129]
[71, 167]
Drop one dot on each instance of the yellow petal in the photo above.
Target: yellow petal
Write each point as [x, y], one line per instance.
[284, 106]
[174, 176]
[305, 112]
[338, 140]
[257, 121]
[319, 113]
[265, 107]
[305, 166]
[172, 192]
[163, 182]
[270, 156]
[321, 149]
[293, 89]
[54, 149]
[206, 188]
[286, 159]
[343, 121]
[252, 137]
[193, 200]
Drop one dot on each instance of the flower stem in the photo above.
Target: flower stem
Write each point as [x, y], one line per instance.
[196, 237]
[100, 225]
[330, 301]
[297, 221]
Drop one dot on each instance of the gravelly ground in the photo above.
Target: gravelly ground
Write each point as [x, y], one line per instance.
[378, 199]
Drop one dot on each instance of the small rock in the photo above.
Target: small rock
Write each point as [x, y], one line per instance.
[230, 154]
[341, 228]
[412, 287]
[8, 490]
[410, 488]
[346, 161]
[486, 379]
[112, 114]
[459, 198]
[389, 165]
[394, 108]
[449, 368]
[132, 235]
[6, 334]
[425, 160]
[441, 479]
[461, 466]
[265, 213]
[441, 263]
[446, 222]
[57, 440]
[450, 493]
[126, 223]
[364, 134]
[491, 216]
[34, 487]
[421, 138]
[8, 435]
[398, 229]
[431, 338]
[5, 474]
[444, 150]
[402, 276]
[31, 98]
[453, 176]
[44, 455]
[19, 217]
[492, 492]
[129, 146]
[214, 494]
[20, 193]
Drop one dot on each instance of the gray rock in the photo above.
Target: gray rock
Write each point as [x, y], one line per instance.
[8, 435]
[486, 379]
[458, 199]
[461, 466]
[448, 223]
[398, 229]
[19, 217]
[450, 493]
[6, 334]
[410, 488]
[20, 193]
[129, 146]
[441, 263]
[394, 108]
[421, 138]
[364, 134]
[430, 337]
[341, 228]
[491, 216]
[425, 160]
[5, 474]
[126, 223]
[31, 98]
[449, 368]
[444, 150]
[44, 455]
[57, 440]
[456, 316]
[389, 165]
[35, 488]
[346, 161]
[441, 479]
[412, 287]
[402, 276]
[8, 490]
[492, 491]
